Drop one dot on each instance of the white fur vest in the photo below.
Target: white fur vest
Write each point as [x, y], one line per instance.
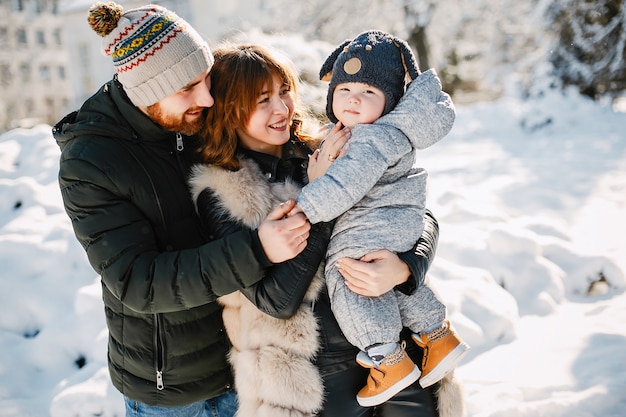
[271, 358]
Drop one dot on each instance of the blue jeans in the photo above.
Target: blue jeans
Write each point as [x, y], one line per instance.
[223, 406]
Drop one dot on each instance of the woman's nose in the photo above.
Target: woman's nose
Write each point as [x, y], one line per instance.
[280, 107]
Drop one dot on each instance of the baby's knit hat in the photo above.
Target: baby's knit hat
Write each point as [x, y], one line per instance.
[155, 52]
[375, 58]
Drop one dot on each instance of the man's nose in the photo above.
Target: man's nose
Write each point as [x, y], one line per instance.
[203, 96]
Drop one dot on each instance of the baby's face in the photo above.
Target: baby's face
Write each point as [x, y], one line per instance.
[357, 103]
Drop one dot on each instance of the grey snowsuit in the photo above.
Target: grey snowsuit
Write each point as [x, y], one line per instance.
[378, 199]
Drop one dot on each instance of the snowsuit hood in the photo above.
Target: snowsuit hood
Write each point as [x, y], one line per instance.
[424, 114]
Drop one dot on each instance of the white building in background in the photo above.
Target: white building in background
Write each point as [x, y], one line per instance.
[51, 60]
[34, 83]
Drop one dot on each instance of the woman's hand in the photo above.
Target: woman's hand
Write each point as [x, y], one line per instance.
[333, 147]
[374, 274]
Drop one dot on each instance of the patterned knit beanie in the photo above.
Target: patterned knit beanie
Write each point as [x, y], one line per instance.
[155, 52]
[375, 58]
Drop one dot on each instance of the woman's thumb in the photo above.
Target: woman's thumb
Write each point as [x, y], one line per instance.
[282, 210]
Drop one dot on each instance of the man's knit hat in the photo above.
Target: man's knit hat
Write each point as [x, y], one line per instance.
[155, 52]
[375, 58]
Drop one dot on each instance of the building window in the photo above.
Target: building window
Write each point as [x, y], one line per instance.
[17, 5]
[44, 73]
[25, 72]
[83, 56]
[56, 35]
[21, 36]
[5, 75]
[41, 38]
[50, 113]
[11, 109]
[29, 106]
[4, 36]
[61, 72]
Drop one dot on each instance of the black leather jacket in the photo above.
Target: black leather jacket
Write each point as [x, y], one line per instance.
[281, 291]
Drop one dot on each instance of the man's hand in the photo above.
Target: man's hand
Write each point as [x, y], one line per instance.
[374, 274]
[284, 237]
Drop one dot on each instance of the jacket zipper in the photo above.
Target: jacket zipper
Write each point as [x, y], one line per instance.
[179, 142]
[183, 166]
[159, 354]
[159, 349]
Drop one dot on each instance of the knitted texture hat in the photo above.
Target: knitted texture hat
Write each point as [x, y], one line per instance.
[375, 58]
[155, 52]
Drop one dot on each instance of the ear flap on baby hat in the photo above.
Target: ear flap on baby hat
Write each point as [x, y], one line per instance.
[408, 59]
[326, 72]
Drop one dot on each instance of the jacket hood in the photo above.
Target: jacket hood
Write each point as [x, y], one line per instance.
[108, 113]
[425, 113]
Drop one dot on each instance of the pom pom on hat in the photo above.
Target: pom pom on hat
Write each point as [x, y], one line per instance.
[155, 52]
[375, 58]
[103, 17]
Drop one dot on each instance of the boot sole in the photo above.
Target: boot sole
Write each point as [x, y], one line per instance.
[447, 364]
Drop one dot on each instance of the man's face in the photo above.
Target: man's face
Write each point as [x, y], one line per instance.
[183, 111]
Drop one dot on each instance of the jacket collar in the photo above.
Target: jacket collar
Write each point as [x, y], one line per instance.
[138, 120]
[109, 113]
[294, 157]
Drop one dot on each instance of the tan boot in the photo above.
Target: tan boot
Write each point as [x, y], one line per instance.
[443, 350]
[396, 372]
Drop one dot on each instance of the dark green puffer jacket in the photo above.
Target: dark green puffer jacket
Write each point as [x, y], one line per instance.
[124, 187]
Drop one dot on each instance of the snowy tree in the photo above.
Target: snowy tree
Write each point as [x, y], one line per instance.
[481, 47]
[591, 47]
[332, 21]
[476, 46]
[417, 16]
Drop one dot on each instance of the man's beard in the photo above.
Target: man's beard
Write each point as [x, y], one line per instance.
[175, 123]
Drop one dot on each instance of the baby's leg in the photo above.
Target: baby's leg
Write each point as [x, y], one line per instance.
[365, 321]
[373, 325]
[423, 310]
[424, 313]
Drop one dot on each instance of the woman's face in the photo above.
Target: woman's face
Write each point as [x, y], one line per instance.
[268, 127]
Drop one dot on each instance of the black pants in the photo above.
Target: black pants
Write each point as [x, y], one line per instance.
[341, 389]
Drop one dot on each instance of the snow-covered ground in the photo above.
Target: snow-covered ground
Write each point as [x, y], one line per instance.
[531, 200]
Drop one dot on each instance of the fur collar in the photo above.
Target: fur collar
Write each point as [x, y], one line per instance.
[272, 359]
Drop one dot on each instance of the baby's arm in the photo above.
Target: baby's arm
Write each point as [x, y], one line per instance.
[352, 176]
